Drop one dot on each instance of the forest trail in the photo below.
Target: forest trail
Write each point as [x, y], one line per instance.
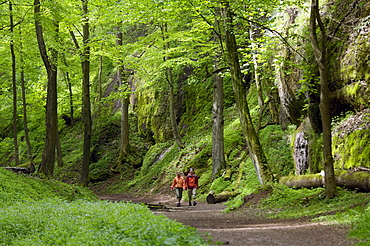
[244, 226]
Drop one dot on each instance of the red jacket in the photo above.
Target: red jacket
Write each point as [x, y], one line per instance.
[191, 181]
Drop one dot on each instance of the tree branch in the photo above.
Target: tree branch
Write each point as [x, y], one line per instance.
[213, 72]
[277, 33]
[344, 17]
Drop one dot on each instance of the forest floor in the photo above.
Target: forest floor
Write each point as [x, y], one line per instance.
[244, 226]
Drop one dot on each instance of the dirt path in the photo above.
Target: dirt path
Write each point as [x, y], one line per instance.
[244, 227]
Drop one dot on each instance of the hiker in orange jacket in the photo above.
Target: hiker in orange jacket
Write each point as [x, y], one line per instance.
[178, 184]
[192, 185]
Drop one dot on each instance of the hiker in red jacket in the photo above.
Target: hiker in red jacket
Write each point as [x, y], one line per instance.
[191, 182]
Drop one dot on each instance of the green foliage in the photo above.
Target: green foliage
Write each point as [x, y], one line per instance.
[55, 222]
[361, 226]
[219, 185]
[17, 187]
[276, 146]
[246, 182]
[284, 202]
[354, 149]
[47, 212]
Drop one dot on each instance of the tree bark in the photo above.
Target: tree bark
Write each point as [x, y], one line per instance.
[170, 80]
[322, 62]
[25, 118]
[255, 149]
[70, 91]
[348, 179]
[124, 106]
[59, 152]
[14, 85]
[218, 153]
[221, 197]
[48, 156]
[86, 110]
[255, 65]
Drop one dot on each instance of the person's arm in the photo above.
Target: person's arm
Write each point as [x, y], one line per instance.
[173, 183]
[186, 182]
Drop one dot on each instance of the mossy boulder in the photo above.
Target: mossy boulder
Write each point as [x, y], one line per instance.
[351, 142]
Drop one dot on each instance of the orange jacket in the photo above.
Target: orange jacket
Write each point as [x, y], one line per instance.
[178, 182]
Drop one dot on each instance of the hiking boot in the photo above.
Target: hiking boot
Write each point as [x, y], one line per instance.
[194, 203]
[178, 205]
[189, 203]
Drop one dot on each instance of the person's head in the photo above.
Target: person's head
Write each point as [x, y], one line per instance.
[178, 173]
[191, 170]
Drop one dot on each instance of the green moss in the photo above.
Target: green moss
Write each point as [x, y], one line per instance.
[276, 146]
[316, 153]
[299, 177]
[353, 150]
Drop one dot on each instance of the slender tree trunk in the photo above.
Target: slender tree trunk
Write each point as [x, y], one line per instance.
[14, 85]
[25, 120]
[255, 149]
[86, 110]
[255, 65]
[124, 106]
[256, 75]
[48, 157]
[71, 107]
[175, 129]
[100, 79]
[59, 152]
[322, 62]
[218, 152]
[170, 81]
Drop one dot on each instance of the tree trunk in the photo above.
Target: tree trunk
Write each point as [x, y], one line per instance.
[124, 107]
[14, 85]
[48, 156]
[170, 81]
[255, 65]
[255, 149]
[175, 129]
[69, 85]
[221, 197]
[25, 120]
[59, 151]
[218, 153]
[86, 110]
[100, 79]
[321, 59]
[348, 179]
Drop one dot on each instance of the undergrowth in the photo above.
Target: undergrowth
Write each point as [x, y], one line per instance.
[348, 208]
[48, 212]
[16, 187]
[284, 202]
[55, 222]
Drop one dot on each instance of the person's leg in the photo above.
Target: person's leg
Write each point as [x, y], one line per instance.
[178, 196]
[194, 196]
[190, 193]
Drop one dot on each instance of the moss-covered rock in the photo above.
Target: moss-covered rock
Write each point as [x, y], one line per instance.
[351, 142]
